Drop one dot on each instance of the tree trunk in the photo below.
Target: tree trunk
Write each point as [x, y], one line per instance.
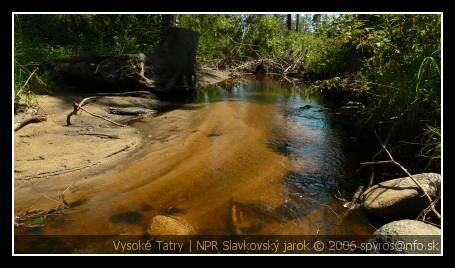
[289, 22]
[297, 17]
[316, 20]
[169, 20]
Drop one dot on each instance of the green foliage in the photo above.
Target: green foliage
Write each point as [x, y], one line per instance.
[29, 77]
[403, 61]
[42, 38]
[217, 33]
[399, 73]
[432, 145]
[240, 37]
[389, 63]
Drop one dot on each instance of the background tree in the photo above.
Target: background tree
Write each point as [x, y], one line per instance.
[169, 20]
[297, 18]
[289, 22]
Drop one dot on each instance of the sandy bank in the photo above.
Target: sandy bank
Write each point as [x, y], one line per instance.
[195, 160]
[49, 156]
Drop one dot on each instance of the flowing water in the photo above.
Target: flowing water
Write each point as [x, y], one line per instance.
[259, 157]
[322, 158]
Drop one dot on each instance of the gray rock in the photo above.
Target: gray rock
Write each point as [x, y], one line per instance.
[401, 198]
[406, 237]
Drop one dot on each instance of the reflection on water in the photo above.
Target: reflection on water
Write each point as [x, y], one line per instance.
[323, 156]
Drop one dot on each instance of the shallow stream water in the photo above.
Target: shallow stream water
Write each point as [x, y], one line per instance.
[253, 157]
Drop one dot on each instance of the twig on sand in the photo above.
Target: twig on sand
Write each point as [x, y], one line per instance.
[56, 172]
[121, 150]
[99, 135]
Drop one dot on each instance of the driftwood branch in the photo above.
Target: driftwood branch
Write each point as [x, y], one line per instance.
[392, 161]
[77, 107]
[33, 119]
[130, 111]
[122, 111]
[102, 117]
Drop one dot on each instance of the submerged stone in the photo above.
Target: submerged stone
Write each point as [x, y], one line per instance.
[166, 225]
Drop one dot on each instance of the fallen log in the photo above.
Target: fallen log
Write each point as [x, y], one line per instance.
[33, 119]
[130, 111]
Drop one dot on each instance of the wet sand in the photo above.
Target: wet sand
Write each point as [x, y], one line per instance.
[207, 163]
[217, 155]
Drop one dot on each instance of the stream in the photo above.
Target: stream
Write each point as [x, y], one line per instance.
[323, 157]
[254, 157]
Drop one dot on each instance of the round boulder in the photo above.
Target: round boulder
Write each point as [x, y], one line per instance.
[401, 198]
[405, 237]
[165, 225]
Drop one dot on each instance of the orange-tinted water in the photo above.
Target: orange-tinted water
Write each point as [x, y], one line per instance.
[244, 158]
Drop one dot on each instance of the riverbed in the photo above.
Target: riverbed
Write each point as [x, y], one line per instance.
[248, 157]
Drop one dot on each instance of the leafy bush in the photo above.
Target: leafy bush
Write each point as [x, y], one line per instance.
[389, 63]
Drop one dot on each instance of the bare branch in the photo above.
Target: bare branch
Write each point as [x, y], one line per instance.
[392, 161]
[77, 107]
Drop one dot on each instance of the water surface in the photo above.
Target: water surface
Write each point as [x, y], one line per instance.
[255, 157]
